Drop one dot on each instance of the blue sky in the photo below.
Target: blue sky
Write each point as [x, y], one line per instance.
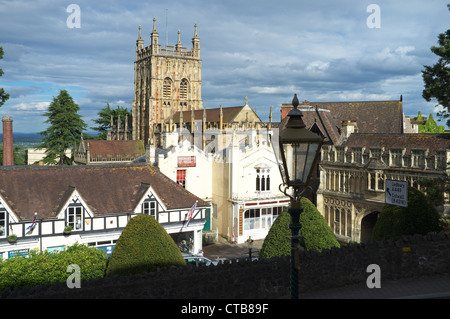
[267, 50]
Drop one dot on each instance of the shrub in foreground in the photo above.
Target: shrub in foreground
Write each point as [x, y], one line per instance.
[40, 268]
[316, 233]
[143, 246]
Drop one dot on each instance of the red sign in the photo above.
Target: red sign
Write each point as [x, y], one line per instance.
[186, 161]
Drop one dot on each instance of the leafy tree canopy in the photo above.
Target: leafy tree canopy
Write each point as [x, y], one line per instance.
[66, 127]
[419, 217]
[3, 95]
[104, 119]
[437, 77]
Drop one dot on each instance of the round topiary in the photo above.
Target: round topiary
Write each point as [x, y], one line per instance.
[143, 246]
[316, 233]
[419, 217]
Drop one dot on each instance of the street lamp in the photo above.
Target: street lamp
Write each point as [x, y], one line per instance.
[249, 246]
[299, 149]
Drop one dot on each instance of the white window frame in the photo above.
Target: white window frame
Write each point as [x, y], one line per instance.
[72, 215]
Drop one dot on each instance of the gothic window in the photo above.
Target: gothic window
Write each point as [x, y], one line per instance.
[375, 153]
[262, 180]
[357, 155]
[441, 160]
[418, 158]
[184, 89]
[167, 89]
[396, 158]
[340, 154]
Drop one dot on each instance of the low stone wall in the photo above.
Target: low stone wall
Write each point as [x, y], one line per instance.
[412, 256]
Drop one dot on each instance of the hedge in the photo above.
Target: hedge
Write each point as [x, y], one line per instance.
[316, 233]
[40, 268]
[143, 246]
[419, 217]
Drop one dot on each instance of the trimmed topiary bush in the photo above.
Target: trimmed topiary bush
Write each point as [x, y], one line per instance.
[420, 217]
[41, 268]
[315, 230]
[143, 246]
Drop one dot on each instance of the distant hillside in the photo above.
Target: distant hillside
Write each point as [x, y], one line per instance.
[25, 139]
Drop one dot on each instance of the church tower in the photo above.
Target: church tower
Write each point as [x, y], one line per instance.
[166, 80]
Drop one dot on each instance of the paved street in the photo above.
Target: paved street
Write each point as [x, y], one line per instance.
[437, 286]
[223, 249]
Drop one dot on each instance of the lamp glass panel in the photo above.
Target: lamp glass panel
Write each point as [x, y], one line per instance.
[299, 161]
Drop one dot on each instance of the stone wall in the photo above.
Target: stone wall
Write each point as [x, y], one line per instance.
[410, 257]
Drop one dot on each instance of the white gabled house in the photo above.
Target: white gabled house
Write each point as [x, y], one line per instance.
[96, 201]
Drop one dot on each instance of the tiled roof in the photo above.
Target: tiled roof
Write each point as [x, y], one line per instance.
[323, 119]
[212, 115]
[370, 116]
[102, 147]
[106, 189]
[430, 142]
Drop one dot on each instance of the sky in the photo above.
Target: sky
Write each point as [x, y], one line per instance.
[266, 50]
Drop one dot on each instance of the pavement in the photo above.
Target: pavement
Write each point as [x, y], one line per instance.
[429, 287]
[223, 249]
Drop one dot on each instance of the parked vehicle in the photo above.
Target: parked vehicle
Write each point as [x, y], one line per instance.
[199, 261]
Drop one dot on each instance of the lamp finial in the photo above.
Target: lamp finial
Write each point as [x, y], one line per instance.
[295, 101]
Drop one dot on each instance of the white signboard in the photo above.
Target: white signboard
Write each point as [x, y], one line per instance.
[396, 193]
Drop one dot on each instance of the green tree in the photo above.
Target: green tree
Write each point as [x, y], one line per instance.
[65, 129]
[144, 245]
[19, 156]
[104, 119]
[316, 233]
[419, 217]
[3, 95]
[437, 77]
[431, 126]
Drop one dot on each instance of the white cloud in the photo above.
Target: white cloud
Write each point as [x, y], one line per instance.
[31, 106]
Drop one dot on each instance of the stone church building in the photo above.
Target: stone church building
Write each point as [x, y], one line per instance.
[166, 80]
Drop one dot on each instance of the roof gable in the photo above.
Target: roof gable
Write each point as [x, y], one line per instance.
[106, 189]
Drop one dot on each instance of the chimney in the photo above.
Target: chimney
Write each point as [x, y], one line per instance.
[8, 153]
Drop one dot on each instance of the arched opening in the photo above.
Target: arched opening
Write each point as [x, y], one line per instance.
[367, 224]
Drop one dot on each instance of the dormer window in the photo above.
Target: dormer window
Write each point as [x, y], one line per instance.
[149, 207]
[75, 217]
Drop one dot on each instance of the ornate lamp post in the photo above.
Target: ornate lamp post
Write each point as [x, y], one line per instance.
[299, 149]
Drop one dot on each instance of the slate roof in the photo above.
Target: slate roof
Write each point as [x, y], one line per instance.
[321, 118]
[419, 141]
[106, 189]
[370, 116]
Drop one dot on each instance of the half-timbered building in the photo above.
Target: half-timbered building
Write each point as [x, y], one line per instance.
[95, 201]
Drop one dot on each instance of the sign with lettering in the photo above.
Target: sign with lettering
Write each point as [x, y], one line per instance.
[186, 161]
[396, 193]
